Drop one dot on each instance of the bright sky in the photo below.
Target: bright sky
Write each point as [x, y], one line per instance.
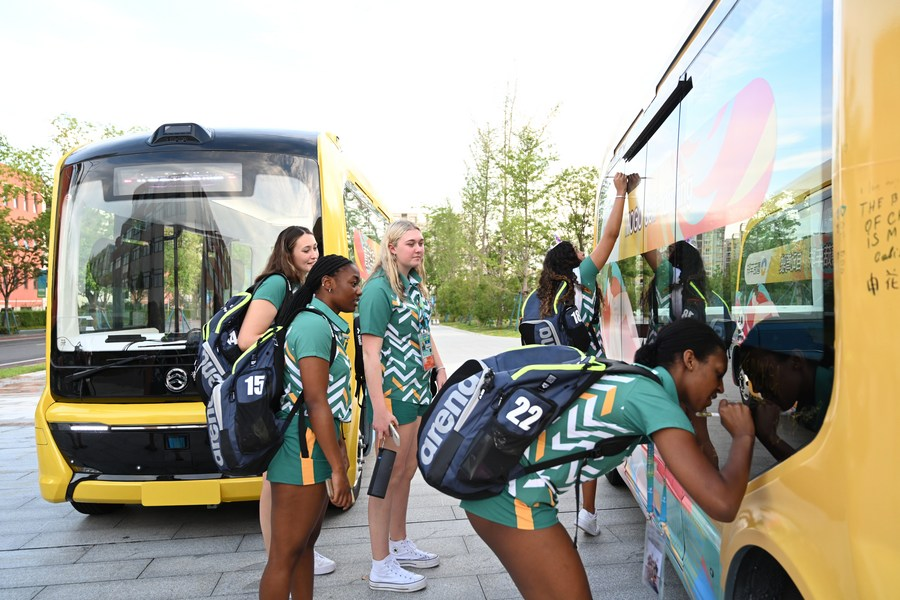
[405, 84]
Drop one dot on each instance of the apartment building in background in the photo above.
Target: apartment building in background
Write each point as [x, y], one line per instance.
[25, 204]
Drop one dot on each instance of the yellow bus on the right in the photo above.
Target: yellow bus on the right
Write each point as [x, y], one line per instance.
[770, 206]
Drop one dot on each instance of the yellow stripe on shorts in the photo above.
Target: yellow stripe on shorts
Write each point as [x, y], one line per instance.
[307, 471]
[524, 518]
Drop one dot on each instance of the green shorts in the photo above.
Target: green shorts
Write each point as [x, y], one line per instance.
[505, 509]
[288, 466]
[407, 412]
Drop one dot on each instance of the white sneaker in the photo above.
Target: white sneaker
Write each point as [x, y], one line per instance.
[324, 565]
[587, 522]
[408, 555]
[391, 576]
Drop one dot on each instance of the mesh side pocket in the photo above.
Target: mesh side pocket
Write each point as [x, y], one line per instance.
[255, 425]
[496, 452]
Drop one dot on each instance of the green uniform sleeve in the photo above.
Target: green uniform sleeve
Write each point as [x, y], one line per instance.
[374, 310]
[309, 335]
[273, 289]
[588, 272]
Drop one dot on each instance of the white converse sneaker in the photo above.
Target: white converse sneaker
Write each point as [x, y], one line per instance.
[324, 565]
[587, 522]
[408, 555]
[391, 576]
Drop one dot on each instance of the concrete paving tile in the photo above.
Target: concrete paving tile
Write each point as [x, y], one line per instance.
[26, 593]
[624, 582]
[15, 559]
[240, 583]
[162, 549]
[26, 511]
[159, 588]
[15, 541]
[498, 586]
[102, 536]
[222, 562]
[73, 574]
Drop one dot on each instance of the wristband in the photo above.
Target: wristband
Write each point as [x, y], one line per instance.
[440, 369]
[620, 196]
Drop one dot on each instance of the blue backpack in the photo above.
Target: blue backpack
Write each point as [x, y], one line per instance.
[489, 412]
[564, 327]
[219, 349]
[242, 415]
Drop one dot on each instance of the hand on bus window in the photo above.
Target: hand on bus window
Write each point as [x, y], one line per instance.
[633, 181]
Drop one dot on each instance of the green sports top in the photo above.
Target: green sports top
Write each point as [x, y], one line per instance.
[401, 324]
[310, 335]
[616, 405]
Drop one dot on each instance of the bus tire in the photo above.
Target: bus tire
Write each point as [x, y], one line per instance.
[93, 508]
[761, 576]
[614, 478]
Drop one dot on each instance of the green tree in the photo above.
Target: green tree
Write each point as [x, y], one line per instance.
[22, 255]
[575, 189]
[527, 168]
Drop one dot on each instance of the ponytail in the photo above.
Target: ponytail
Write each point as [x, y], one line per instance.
[647, 354]
[676, 337]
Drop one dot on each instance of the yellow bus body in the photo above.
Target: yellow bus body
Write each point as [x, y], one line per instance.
[93, 495]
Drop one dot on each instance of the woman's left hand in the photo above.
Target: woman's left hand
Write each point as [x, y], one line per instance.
[341, 496]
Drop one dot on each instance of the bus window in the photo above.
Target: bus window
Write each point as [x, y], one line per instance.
[365, 228]
[153, 236]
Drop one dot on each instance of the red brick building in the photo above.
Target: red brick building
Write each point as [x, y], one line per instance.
[23, 205]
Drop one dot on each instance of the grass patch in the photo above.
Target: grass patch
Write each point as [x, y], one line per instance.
[505, 332]
[13, 371]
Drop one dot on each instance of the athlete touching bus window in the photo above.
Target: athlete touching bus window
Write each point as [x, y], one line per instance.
[521, 526]
[569, 277]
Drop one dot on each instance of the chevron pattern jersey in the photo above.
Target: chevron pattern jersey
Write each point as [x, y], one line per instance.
[616, 405]
[310, 335]
[399, 323]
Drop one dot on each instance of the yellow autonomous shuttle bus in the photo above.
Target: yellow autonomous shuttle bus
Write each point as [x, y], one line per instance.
[149, 236]
[771, 156]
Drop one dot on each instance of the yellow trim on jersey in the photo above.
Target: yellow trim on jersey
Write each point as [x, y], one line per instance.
[541, 446]
[608, 402]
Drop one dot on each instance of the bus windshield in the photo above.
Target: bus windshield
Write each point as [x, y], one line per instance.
[151, 244]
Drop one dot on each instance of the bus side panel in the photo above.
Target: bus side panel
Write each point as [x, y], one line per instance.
[867, 222]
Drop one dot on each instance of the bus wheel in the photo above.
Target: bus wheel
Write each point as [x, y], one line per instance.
[761, 576]
[615, 479]
[91, 508]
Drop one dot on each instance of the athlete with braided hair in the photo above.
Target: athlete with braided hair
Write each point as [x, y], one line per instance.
[299, 495]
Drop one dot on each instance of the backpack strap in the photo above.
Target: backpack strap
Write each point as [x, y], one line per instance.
[606, 447]
[279, 364]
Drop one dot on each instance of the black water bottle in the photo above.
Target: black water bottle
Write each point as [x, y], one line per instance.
[381, 474]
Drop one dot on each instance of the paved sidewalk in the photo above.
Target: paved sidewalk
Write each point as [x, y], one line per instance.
[18, 398]
[49, 551]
